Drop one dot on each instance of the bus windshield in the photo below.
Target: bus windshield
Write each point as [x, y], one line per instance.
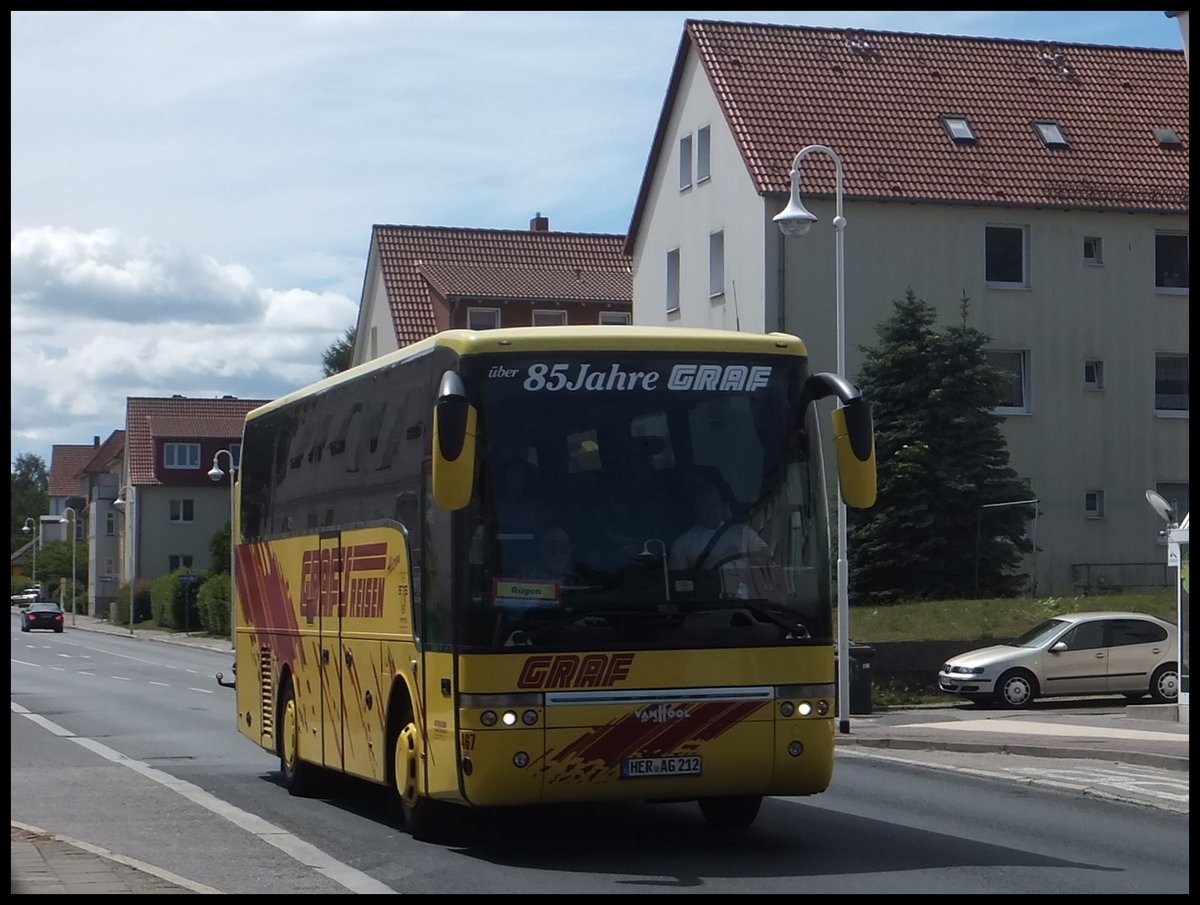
[663, 500]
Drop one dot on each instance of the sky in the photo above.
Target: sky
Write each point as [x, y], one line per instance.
[193, 192]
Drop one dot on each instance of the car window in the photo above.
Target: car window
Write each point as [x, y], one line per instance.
[1085, 636]
[1039, 634]
[1134, 631]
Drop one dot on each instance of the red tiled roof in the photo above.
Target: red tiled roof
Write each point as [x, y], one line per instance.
[537, 262]
[876, 98]
[149, 417]
[67, 462]
[108, 453]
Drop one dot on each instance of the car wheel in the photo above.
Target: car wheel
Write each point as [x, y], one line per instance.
[734, 812]
[58, 631]
[1016, 689]
[1164, 684]
[297, 775]
[24, 628]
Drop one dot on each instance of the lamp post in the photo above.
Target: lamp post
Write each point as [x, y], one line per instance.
[74, 531]
[126, 506]
[31, 527]
[216, 474]
[794, 221]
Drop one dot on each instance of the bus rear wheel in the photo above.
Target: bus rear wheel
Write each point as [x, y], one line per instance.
[426, 819]
[297, 775]
[733, 812]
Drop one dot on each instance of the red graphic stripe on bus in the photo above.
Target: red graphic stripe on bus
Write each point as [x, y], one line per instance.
[262, 594]
[368, 557]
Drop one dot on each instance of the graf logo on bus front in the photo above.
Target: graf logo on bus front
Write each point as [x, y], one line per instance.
[575, 670]
[683, 378]
[341, 578]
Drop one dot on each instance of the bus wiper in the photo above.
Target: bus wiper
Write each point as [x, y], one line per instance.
[797, 629]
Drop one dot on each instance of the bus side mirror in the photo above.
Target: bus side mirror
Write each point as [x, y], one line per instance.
[454, 433]
[854, 440]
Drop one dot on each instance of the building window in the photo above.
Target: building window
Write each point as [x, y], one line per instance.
[110, 524]
[1092, 250]
[614, 317]
[672, 280]
[1093, 503]
[1005, 252]
[483, 318]
[1051, 134]
[1171, 262]
[1168, 138]
[958, 129]
[716, 263]
[703, 153]
[1013, 392]
[181, 455]
[182, 510]
[685, 162]
[177, 561]
[109, 566]
[549, 318]
[235, 453]
[1093, 374]
[1171, 385]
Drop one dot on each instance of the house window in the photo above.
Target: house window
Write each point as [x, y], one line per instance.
[110, 524]
[235, 454]
[109, 566]
[1168, 138]
[1051, 134]
[958, 129]
[614, 317]
[1179, 496]
[177, 561]
[1093, 374]
[1171, 261]
[685, 162]
[483, 318]
[672, 280]
[182, 510]
[703, 153]
[549, 318]
[1171, 385]
[1013, 396]
[716, 263]
[1005, 257]
[1092, 250]
[181, 455]
[1093, 503]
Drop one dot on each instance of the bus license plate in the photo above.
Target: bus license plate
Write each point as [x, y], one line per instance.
[634, 767]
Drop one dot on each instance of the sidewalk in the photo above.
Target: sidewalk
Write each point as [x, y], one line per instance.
[1146, 735]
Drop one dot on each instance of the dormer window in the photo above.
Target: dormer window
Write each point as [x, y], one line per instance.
[958, 129]
[1051, 134]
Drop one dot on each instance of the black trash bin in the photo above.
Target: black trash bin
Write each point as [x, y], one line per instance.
[861, 656]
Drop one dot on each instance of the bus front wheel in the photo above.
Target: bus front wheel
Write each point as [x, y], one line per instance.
[297, 775]
[425, 819]
[733, 812]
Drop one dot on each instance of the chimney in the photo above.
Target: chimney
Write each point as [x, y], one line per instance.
[539, 224]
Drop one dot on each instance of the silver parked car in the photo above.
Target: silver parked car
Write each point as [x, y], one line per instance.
[1077, 654]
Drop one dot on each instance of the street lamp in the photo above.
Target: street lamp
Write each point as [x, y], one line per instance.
[216, 474]
[74, 531]
[794, 221]
[126, 506]
[30, 527]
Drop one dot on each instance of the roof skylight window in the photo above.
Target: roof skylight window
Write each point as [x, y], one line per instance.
[958, 129]
[1051, 134]
[1166, 136]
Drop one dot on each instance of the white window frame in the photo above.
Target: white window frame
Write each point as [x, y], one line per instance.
[1162, 285]
[181, 456]
[1026, 389]
[703, 154]
[1093, 503]
[1174, 412]
[716, 264]
[685, 162]
[549, 317]
[673, 275]
[958, 128]
[1093, 251]
[1023, 282]
[492, 314]
[182, 511]
[615, 318]
[1093, 374]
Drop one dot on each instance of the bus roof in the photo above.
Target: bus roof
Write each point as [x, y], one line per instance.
[595, 337]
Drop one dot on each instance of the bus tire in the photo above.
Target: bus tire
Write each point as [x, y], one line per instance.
[425, 819]
[733, 812]
[297, 775]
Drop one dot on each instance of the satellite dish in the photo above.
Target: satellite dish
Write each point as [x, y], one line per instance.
[1164, 509]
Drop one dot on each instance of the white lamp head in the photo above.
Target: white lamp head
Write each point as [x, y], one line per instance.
[795, 220]
[216, 474]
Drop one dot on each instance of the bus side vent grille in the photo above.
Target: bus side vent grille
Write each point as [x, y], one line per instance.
[267, 685]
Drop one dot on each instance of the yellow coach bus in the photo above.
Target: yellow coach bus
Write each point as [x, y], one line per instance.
[543, 565]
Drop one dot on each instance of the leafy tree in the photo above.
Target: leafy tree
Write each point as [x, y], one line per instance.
[218, 549]
[29, 485]
[337, 357]
[941, 457]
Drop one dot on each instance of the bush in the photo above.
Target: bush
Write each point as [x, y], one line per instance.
[213, 604]
[141, 603]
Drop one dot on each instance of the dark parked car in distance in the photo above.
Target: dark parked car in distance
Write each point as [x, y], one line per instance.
[48, 616]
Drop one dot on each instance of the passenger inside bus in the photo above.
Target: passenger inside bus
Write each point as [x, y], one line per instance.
[556, 560]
